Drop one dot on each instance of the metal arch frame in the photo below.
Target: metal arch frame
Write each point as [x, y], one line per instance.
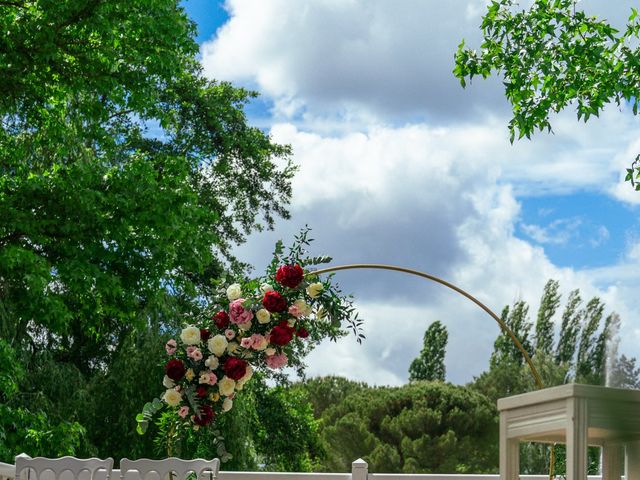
[505, 328]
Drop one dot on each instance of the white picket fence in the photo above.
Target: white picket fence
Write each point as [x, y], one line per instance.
[359, 471]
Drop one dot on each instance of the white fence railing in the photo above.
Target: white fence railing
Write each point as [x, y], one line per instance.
[359, 471]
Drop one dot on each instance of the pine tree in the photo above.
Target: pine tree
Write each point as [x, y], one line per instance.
[544, 324]
[430, 363]
[569, 329]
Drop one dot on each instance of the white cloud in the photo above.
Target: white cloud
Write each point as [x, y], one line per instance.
[400, 165]
[429, 199]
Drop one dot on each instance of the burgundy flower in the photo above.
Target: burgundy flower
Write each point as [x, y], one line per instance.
[221, 319]
[290, 275]
[281, 334]
[201, 391]
[175, 369]
[204, 334]
[274, 302]
[205, 417]
[302, 332]
[235, 368]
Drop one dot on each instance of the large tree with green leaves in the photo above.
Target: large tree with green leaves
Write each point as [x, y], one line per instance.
[124, 173]
[553, 55]
[125, 178]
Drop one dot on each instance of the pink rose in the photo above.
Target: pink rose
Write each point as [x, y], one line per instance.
[184, 411]
[194, 352]
[259, 342]
[246, 342]
[278, 360]
[230, 334]
[238, 314]
[213, 378]
[171, 347]
[296, 311]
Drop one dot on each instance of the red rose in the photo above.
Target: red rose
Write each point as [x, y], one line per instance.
[290, 275]
[205, 417]
[175, 369]
[274, 302]
[235, 368]
[204, 334]
[302, 332]
[281, 334]
[221, 319]
[201, 391]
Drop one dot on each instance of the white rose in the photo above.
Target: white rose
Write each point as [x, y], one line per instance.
[270, 351]
[265, 287]
[172, 397]
[217, 344]
[244, 326]
[263, 315]
[314, 289]
[234, 292]
[227, 404]
[232, 347]
[226, 386]
[302, 307]
[167, 382]
[190, 335]
[212, 362]
[248, 374]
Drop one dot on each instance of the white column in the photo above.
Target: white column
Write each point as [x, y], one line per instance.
[612, 460]
[359, 470]
[632, 460]
[577, 439]
[509, 452]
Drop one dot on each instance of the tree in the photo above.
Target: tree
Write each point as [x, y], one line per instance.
[571, 318]
[125, 178]
[422, 427]
[586, 363]
[430, 363]
[517, 319]
[552, 55]
[103, 215]
[544, 323]
[625, 373]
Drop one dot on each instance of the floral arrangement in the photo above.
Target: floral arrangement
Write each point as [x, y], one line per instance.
[263, 324]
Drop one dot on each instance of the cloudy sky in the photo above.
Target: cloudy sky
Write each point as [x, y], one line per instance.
[400, 165]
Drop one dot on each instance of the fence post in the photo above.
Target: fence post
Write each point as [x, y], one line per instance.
[359, 470]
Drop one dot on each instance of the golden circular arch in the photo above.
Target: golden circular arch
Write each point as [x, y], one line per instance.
[453, 287]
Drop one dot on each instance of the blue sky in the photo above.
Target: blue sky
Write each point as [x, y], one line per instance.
[399, 164]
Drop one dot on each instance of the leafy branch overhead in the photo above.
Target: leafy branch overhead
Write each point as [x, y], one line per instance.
[553, 55]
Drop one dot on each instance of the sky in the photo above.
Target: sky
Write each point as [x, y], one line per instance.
[399, 164]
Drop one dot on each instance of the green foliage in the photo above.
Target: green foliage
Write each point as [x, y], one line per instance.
[552, 55]
[22, 429]
[517, 319]
[423, 427]
[549, 303]
[569, 329]
[430, 363]
[580, 355]
[125, 178]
